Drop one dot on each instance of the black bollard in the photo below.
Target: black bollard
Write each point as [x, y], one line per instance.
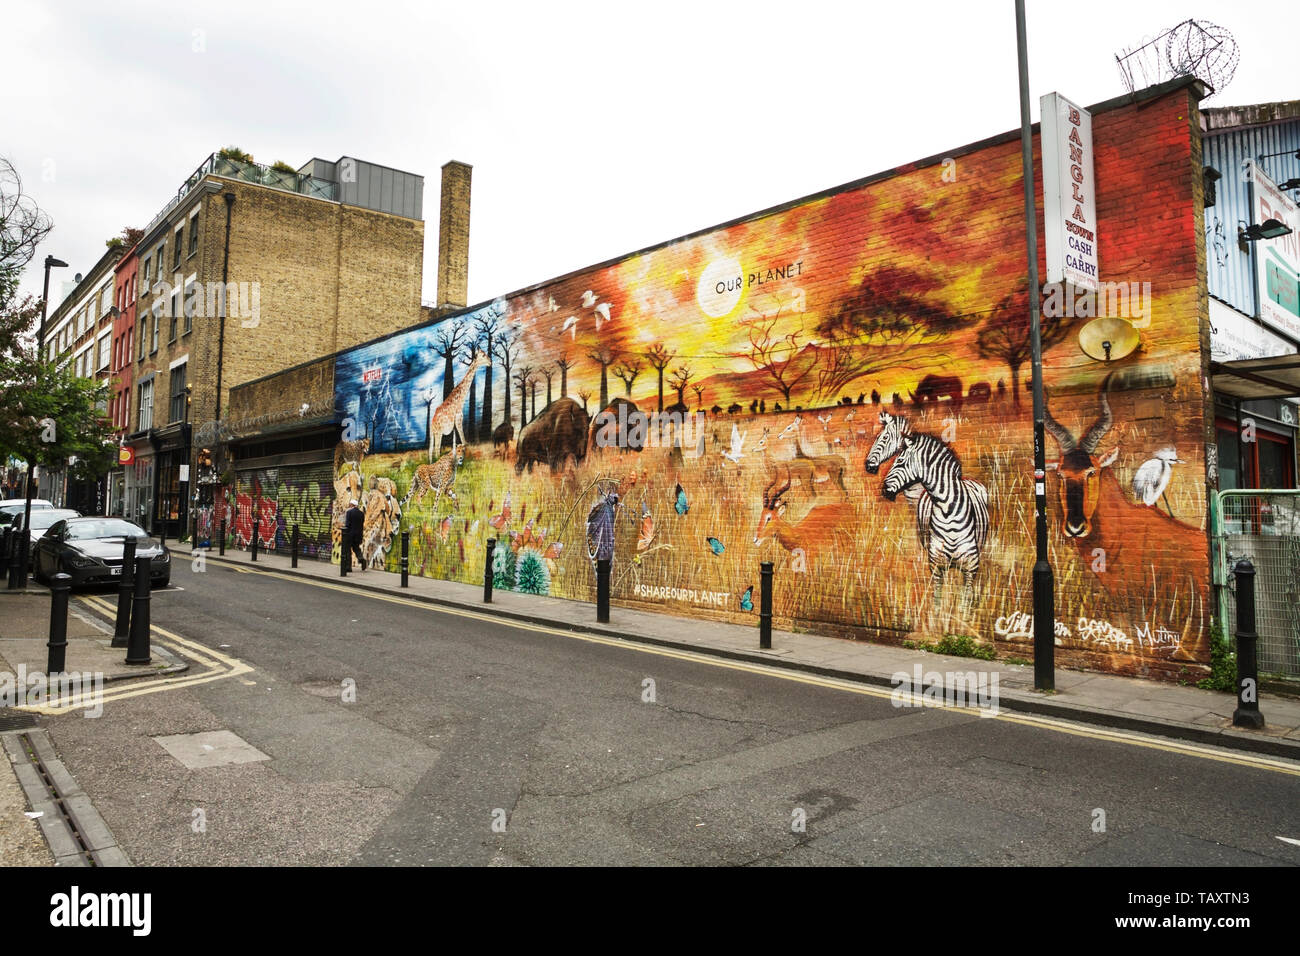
[137, 648]
[487, 571]
[602, 590]
[6, 556]
[58, 643]
[122, 629]
[162, 531]
[256, 527]
[221, 542]
[406, 556]
[1247, 713]
[765, 606]
[293, 546]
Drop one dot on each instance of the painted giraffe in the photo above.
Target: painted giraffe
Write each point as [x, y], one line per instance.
[443, 420]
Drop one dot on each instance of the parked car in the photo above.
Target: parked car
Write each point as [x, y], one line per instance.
[89, 550]
[42, 519]
[16, 506]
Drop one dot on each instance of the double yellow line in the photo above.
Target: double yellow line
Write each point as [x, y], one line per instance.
[216, 666]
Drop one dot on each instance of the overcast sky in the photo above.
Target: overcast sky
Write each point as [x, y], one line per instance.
[594, 129]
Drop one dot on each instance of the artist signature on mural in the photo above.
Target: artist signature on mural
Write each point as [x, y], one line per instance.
[1019, 625]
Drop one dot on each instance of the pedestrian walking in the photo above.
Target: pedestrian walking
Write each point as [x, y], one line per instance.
[352, 526]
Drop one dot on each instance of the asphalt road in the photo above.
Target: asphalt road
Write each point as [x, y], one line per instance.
[481, 743]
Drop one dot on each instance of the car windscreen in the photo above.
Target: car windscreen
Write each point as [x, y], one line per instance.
[108, 528]
[43, 519]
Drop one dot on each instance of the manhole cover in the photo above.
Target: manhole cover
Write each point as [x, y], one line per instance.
[16, 720]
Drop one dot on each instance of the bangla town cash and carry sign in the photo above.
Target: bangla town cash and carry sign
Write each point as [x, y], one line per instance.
[1277, 261]
[1069, 193]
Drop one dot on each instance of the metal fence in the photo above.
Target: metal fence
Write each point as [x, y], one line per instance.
[1265, 527]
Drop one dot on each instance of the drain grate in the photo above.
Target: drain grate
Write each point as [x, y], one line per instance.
[16, 721]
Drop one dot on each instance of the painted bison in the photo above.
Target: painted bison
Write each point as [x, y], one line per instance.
[621, 425]
[554, 436]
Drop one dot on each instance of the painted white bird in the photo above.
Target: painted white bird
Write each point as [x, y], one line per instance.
[1152, 478]
[551, 306]
[737, 442]
[602, 310]
[589, 298]
[571, 326]
[825, 420]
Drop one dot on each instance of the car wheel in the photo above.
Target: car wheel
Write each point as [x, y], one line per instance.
[164, 581]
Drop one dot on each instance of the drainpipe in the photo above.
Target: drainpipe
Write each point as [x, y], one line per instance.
[221, 333]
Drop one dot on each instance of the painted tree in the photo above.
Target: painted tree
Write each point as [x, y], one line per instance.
[627, 370]
[1005, 335]
[470, 351]
[604, 356]
[523, 377]
[585, 395]
[778, 357]
[699, 396]
[679, 382]
[564, 363]
[446, 345]
[507, 352]
[892, 311]
[549, 372]
[487, 325]
[659, 357]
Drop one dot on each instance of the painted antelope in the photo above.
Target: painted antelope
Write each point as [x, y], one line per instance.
[825, 468]
[1100, 520]
[796, 468]
[952, 518]
[807, 536]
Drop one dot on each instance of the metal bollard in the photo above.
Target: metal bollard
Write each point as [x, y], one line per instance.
[765, 606]
[256, 526]
[293, 545]
[487, 571]
[122, 628]
[345, 556]
[162, 531]
[137, 648]
[602, 590]
[55, 661]
[1247, 713]
[23, 546]
[221, 542]
[406, 556]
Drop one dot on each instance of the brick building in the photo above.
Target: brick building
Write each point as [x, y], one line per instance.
[249, 269]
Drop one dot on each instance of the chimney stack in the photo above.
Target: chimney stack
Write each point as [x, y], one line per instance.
[453, 237]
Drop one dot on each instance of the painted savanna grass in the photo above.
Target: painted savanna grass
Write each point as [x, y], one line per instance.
[866, 575]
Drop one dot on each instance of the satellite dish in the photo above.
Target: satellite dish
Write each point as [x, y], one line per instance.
[77, 277]
[1108, 339]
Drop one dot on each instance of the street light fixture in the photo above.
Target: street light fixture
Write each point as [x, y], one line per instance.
[1268, 229]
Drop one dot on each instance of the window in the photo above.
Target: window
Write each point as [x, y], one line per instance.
[104, 343]
[159, 254]
[194, 234]
[178, 394]
[175, 315]
[146, 406]
[191, 291]
[144, 283]
[176, 246]
[157, 316]
[143, 330]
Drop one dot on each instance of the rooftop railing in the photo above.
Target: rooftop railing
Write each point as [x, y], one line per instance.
[217, 165]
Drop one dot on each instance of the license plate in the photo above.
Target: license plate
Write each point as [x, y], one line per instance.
[114, 570]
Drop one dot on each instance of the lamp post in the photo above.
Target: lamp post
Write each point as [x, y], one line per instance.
[1044, 599]
[24, 546]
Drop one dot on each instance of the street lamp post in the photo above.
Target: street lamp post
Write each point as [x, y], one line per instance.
[1044, 599]
[24, 546]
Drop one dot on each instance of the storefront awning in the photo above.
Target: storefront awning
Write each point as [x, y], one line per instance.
[1275, 377]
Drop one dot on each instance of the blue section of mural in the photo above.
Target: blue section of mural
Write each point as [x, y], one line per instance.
[387, 387]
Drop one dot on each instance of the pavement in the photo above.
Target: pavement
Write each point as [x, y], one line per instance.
[1155, 707]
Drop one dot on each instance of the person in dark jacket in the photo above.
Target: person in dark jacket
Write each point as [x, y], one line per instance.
[353, 522]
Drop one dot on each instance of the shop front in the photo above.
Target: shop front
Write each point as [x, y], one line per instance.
[171, 481]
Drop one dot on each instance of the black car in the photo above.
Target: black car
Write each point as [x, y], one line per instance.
[42, 520]
[89, 550]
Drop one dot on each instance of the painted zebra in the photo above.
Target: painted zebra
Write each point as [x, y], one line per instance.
[952, 518]
[889, 442]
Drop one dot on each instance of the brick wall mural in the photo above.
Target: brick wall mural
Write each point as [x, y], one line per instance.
[840, 387]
